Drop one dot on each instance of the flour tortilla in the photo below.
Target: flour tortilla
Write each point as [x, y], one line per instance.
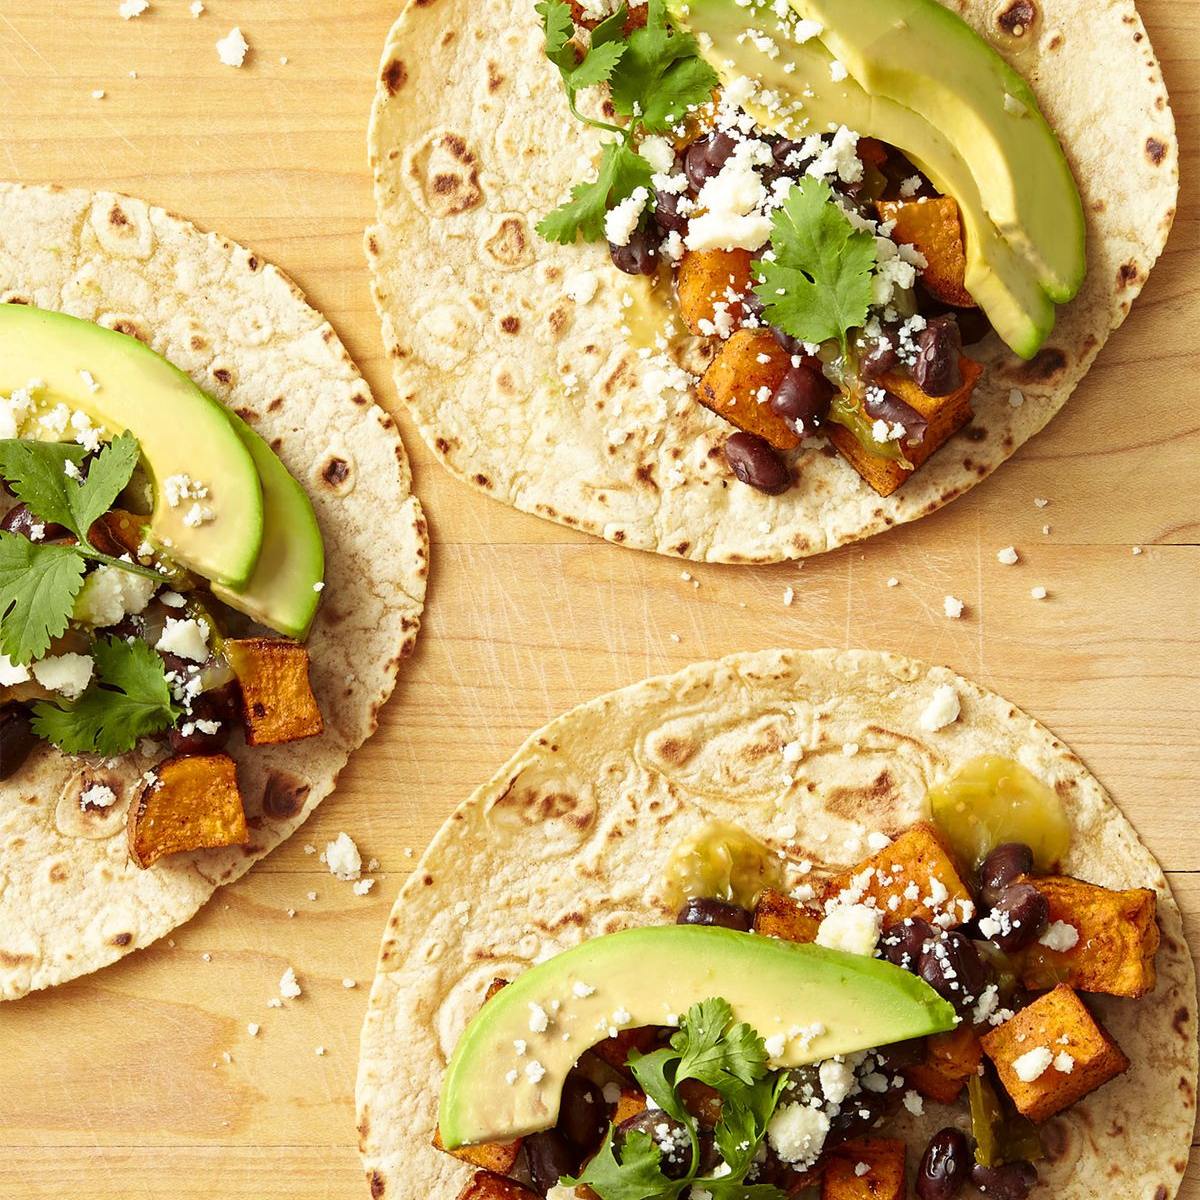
[569, 839]
[471, 143]
[70, 900]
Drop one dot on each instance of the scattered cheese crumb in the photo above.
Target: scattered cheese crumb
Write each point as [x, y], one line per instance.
[98, 796]
[789, 594]
[1038, 593]
[1064, 1064]
[1060, 936]
[342, 857]
[1008, 556]
[893, 582]
[942, 710]
[132, 8]
[851, 927]
[289, 985]
[232, 48]
[1016, 398]
[953, 607]
[1033, 1064]
[252, 1029]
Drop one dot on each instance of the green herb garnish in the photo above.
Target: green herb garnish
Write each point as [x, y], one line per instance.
[129, 698]
[655, 76]
[731, 1058]
[39, 582]
[817, 286]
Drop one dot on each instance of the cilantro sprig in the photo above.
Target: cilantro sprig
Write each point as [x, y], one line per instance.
[711, 1048]
[817, 284]
[129, 698]
[39, 581]
[655, 75]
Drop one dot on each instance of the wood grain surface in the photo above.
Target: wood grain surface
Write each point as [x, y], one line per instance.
[118, 1085]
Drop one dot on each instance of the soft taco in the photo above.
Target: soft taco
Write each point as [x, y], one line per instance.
[211, 567]
[744, 280]
[789, 923]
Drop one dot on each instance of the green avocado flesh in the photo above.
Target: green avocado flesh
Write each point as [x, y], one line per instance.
[797, 95]
[283, 591]
[930, 60]
[823, 1002]
[181, 430]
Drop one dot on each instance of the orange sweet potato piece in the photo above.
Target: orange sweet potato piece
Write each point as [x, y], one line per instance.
[486, 1186]
[631, 1102]
[616, 1050]
[738, 385]
[950, 1060]
[1118, 938]
[780, 916]
[917, 857]
[883, 1180]
[497, 985]
[1060, 1024]
[946, 416]
[705, 278]
[491, 1156]
[277, 701]
[191, 803]
[933, 227]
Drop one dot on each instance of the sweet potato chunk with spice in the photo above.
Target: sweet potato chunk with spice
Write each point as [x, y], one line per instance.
[491, 1156]
[631, 1102]
[486, 1186]
[780, 916]
[708, 278]
[1117, 934]
[739, 382]
[192, 802]
[933, 227]
[946, 415]
[277, 701]
[913, 877]
[616, 1050]
[950, 1060]
[883, 1179]
[1053, 1053]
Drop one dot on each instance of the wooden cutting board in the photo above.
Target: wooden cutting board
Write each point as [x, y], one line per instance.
[117, 1086]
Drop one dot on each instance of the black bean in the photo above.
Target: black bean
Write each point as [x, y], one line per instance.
[17, 738]
[1012, 1181]
[582, 1114]
[639, 256]
[1022, 912]
[705, 158]
[207, 707]
[802, 399]
[951, 966]
[667, 215]
[1006, 863]
[884, 406]
[667, 1134]
[699, 911]
[880, 359]
[904, 943]
[753, 461]
[788, 155]
[858, 1115]
[936, 370]
[790, 344]
[20, 520]
[945, 1165]
[549, 1159]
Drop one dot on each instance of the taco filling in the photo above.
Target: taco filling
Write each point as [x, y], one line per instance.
[153, 548]
[821, 203]
[773, 1039]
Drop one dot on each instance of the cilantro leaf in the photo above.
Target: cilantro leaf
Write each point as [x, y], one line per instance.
[38, 586]
[596, 67]
[129, 698]
[818, 286]
[621, 171]
[637, 1175]
[717, 1053]
[586, 68]
[655, 1074]
[107, 475]
[661, 75]
[559, 27]
[744, 1119]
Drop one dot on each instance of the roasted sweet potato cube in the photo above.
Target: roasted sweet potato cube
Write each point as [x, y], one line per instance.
[708, 278]
[497, 985]
[635, 18]
[486, 1186]
[631, 1102]
[1053, 1053]
[616, 1050]
[491, 1156]
[950, 1059]
[913, 877]
[1118, 939]
[277, 701]
[933, 227]
[739, 382]
[192, 802]
[882, 1180]
[780, 916]
[946, 415]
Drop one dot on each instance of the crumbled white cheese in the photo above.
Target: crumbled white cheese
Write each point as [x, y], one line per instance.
[837, 1080]
[252, 1029]
[178, 488]
[1064, 1064]
[621, 220]
[99, 795]
[659, 153]
[1008, 556]
[953, 607]
[232, 48]
[732, 201]
[132, 8]
[913, 1102]
[187, 638]
[837, 71]
[539, 1020]
[1016, 398]
[11, 673]
[535, 1072]
[851, 927]
[1033, 1064]
[1038, 593]
[1060, 936]
[363, 886]
[289, 985]
[67, 674]
[110, 594]
[942, 709]
[877, 841]
[580, 286]
[342, 857]
[797, 1133]
[196, 7]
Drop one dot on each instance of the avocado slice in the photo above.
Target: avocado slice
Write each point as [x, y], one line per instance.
[285, 588]
[824, 1002]
[797, 96]
[123, 385]
[929, 59]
